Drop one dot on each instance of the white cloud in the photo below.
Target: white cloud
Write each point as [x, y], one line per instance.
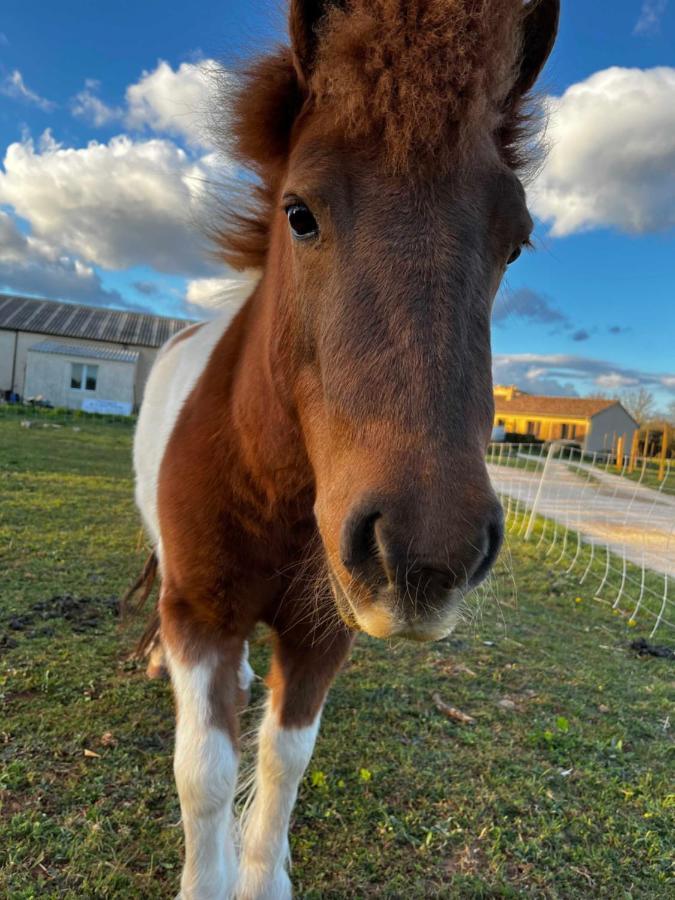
[615, 380]
[89, 106]
[173, 102]
[612, 159]
[214, 294]
[12, 242]
[177, 102]
[559, 373]
[650, 16]
[28, 265]
[15, 87]
[116, 205]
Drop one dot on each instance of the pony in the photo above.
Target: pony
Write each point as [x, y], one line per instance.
[316, 463]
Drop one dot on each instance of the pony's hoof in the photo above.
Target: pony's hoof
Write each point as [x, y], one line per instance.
[156, 667]
[155, 673]
[253, 887]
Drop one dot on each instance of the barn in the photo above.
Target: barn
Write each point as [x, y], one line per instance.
[595, 423]
[80, 357]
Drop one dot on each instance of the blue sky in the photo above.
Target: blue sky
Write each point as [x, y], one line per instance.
[592, 309]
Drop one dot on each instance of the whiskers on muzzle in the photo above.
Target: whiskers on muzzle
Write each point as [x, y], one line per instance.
[498, 592]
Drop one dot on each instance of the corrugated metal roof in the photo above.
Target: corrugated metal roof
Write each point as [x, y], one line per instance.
[87, 352]
[87, 322]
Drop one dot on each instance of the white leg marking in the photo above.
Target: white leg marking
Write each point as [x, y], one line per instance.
[283, 755]
[205, 766]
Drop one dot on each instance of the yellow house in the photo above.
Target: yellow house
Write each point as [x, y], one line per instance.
[596, 424]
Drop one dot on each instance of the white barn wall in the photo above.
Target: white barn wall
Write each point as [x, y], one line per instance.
[26, 321]
[146, 360]
[604, 425]
[7, 339]
[27, 339]
[48, 375]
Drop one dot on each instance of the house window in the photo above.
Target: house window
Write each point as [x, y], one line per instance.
[564, 431]
[83, 377]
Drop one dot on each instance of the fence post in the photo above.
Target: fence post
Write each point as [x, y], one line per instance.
[634, 450]
[537, 498]
[664, 452]
[619, 453]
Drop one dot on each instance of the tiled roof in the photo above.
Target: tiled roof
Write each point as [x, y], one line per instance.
[561, 407]
[87, 352]
[89, 322]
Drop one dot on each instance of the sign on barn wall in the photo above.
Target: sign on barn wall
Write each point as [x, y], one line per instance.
[109, 407]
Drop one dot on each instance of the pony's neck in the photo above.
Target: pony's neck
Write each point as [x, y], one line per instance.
[269, 438]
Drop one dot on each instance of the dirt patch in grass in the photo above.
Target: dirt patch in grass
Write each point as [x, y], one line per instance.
[81, 614]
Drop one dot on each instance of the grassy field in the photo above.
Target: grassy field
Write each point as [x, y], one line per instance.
[647, 474]
[531, 458]
[559, 789]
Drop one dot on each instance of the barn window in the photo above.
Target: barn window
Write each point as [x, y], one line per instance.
[90, 377]
[83, 377]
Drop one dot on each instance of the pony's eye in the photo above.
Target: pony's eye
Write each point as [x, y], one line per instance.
[514, 256]
[302, 222]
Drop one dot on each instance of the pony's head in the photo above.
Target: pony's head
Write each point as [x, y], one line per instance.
[388, 140]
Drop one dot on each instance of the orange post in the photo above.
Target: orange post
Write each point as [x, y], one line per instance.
[634, 450]
[664, 452]
[619, 452]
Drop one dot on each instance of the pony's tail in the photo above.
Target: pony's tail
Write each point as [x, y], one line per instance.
[135, 599]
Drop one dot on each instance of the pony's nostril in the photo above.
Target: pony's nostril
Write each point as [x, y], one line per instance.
[494, 535]
[358, 544]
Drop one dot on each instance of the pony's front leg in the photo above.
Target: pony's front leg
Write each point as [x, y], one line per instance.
[206, 688]
[299, 678]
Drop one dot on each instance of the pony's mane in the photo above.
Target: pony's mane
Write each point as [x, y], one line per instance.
[416, 76]
[412, 80]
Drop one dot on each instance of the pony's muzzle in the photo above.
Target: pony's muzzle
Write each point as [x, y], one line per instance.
[379, 552]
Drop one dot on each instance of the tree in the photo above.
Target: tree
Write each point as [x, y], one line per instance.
[603, 395]
[639, 404]
[670, 414]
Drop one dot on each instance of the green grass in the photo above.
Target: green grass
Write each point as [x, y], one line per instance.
[562, 791]
[648, 475]
[601, 576]
[532, 458]
[585, 475]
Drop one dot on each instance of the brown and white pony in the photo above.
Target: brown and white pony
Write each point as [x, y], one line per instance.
[317, 463]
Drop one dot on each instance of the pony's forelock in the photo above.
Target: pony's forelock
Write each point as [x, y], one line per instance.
[417, 77]
[413, 82]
